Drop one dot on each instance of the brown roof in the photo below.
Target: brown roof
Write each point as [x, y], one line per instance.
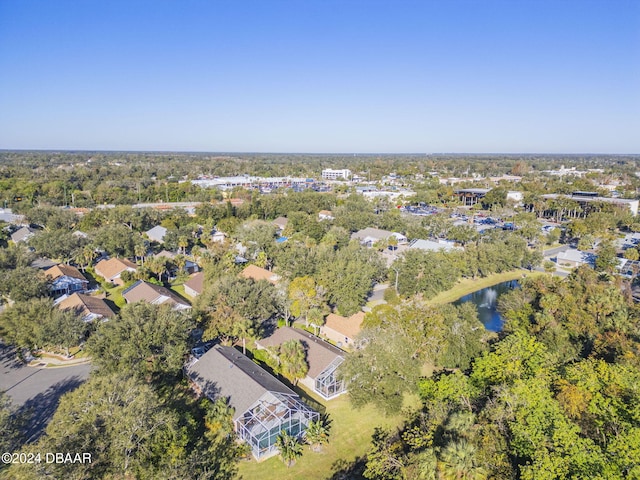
[62, 270]
[195, 282]
[281, 222]
[320, 354]
[147, 292]
[86, 304]
[349, 327]
[257, 273]
[325, 212]
[112, 267]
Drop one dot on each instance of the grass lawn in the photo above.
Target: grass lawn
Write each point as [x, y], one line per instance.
[468, 285]
[350, 437]
[115, 295]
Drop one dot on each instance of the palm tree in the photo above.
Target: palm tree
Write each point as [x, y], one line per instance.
[85, 256]
[157, 265]
[183, 243]
[293, 361]
[458, 462]
[289, 447]
[316, 435]
[140, 250]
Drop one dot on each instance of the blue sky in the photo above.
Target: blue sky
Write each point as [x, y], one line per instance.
[321, 75]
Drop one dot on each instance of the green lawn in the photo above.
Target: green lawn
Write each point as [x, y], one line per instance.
[468, 285]
[350, 438]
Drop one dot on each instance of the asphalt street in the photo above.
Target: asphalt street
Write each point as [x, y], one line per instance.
[35, 391]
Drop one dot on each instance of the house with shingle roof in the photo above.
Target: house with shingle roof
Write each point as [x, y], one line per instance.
[142, 291]
[66, 280]
[194, 286]
[22, 234]
[111, 269]
[263, 406]
[91, 308]
[281, 223]
[322, 357]
[156, 234]
[370, 236]
[325, 215]
[342, 330]
[258, 273]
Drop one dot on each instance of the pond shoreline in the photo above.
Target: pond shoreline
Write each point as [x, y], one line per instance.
[468, 286]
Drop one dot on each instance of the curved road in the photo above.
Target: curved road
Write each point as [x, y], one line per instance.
[36, 391]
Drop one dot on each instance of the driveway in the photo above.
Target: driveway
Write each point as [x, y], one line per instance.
[36, 391]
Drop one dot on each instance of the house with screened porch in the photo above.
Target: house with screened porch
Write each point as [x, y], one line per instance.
[263, 406]
[322, 357]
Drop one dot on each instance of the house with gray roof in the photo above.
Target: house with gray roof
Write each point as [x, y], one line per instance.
[263, 406]
[431, 246]
[22, 234]
[574, 258]
[370, 236]
[322, 357]
[156, 234]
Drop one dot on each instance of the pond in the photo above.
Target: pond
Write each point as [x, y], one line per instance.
[486, 301]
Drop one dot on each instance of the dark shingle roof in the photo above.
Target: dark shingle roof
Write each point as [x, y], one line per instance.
[223, 372]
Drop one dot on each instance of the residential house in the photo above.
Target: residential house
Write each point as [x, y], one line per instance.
[370, 236]
[194, 286]
[112, 268]
[142, 291]
[218, 237]
[574, 258]
[281, 223]
[22, 234]
[263, 406]
[342, 330]
[66, 280]
[325, 215]
[431, 246]
[258, 273]
[156, 234]
[91, 308]
[322, 357]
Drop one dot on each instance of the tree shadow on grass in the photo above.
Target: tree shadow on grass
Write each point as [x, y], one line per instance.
[345, 470]
[34, 416]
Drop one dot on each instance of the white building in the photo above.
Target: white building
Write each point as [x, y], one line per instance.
[331, 174]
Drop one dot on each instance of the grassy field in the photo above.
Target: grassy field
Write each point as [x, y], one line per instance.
[350, 438]
[468, 285]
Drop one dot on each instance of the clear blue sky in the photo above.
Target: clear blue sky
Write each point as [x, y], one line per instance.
[425, 76]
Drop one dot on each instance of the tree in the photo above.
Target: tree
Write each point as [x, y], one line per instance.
[64, 329]
[458, 461]
[317, 434]
[158, 266]
[289, 447]
[130, 432]
[305, 296]
[607, 259]
[23, 283]
[146, 340]
[292, 360]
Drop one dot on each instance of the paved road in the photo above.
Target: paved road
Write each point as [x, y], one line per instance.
[37, 391]
[378, 292]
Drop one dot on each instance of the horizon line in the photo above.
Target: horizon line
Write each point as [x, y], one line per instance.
[355, 154]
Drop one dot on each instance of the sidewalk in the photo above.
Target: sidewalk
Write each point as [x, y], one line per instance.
[51, 360]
